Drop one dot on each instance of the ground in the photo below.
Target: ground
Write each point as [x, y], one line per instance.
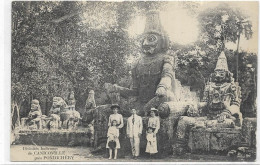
[83, 154]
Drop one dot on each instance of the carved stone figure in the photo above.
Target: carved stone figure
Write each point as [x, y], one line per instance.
[33, 121]
[71, 101]
[220, 107]
[58, 105]
[60, 108]
[71, 124]
[154, 85]
[54, 122]
[153, 75]
[90, 102]
[69, 114]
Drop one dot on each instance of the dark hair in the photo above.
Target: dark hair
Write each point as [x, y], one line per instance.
[115, 106]
[151, 128]
[113, 121]
[156, 113]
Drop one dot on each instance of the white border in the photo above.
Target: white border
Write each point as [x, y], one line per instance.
[5, 88]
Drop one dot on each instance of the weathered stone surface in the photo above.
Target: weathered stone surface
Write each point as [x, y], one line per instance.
[53, 138]
[33, 121]
[249, 127]
[210, 139]
[217, 119]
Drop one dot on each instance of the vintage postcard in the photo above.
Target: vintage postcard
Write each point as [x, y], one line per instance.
[99, 81]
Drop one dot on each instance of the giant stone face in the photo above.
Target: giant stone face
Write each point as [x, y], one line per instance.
[151, 44]
[220, 76]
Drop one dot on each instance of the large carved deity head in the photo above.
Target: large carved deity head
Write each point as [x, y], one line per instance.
[35, 105]
[221, 73]
[154, 39]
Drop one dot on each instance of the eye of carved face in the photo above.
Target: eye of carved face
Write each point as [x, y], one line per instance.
[150, 43]
[152, 38]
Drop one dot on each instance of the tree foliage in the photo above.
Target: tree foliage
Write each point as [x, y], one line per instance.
[223, 24]
[62, 45]
[58, 46]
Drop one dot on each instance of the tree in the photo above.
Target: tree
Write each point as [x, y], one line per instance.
[223, 24]
[57, 46]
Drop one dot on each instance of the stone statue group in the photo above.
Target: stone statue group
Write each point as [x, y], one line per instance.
[155, 86]
[61, 115]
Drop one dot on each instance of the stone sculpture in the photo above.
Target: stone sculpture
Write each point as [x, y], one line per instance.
[60, 107]
[90, 102]
[71, 101]
[33, 121]
[54, 122]
[154, 85]
[153, 75]
[220, 107]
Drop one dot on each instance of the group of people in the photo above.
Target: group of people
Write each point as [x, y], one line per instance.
[134, 131]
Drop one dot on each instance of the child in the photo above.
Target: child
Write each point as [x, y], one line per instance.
[112, 140]
[151, 146]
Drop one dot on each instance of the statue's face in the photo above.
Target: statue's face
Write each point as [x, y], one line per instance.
[34, 106]
[150, 44]
[219, 76]
[56, 102]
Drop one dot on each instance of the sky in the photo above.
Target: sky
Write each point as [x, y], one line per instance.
[182, 27]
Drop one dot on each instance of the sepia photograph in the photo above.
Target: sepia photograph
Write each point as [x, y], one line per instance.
[133, 81]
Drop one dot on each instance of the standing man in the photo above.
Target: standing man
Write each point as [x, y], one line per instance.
[134, 130]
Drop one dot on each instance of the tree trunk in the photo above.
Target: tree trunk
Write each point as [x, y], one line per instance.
[15, 115]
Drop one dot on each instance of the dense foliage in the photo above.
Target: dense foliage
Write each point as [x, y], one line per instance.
[62, 46]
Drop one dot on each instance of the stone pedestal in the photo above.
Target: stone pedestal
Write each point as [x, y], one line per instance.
[53, 138]
[214, 139]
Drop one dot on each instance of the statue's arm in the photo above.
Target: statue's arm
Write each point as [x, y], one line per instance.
[167, 76]
[126, 92]
[236, 91]
[235, 100]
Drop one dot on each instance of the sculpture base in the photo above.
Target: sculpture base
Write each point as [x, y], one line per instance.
[212, 140]
[54, 138]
